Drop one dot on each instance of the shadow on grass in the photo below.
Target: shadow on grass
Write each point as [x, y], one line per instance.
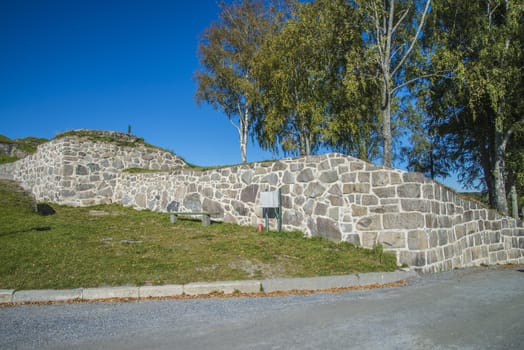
[188, 218]
[36, 228]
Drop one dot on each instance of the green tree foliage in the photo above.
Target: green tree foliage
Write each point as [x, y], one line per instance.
[300, 73]
[425, 153]
[226, 51]
[354, 124]
[480, 109]
[392, 59]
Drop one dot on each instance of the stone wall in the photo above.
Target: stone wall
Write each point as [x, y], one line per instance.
[11, 149]
[76, 171]
[428, 226]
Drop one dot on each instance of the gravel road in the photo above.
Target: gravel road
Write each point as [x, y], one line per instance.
[481, 308]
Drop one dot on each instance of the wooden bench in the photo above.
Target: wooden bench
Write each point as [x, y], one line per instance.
[206, 217]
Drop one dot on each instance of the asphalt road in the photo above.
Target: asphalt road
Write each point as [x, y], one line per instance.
[468, 309]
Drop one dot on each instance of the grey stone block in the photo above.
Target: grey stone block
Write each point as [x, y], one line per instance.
[336, 201]
[292, 217]
[47, 295]
[409, 191]
[329, 176]
[279, 165]
[321, 209]
[192, 202]
[384, 192]
[369, 223]
[305, 175]
[110, 293]
[271, 178]
[415, 205]
[392, 239]
[369, 239]
[6, 295]
[380, 179]
[160, 291]
[403, 221]
[314, 189]
[356, 188]
[249, 194]
[414, 177]
[81, 170]
[309, 283]
[288, 178]
[226, 287]
[413, 258]
[329, 229]
[417, 240]
[353, 239]
[366, 279]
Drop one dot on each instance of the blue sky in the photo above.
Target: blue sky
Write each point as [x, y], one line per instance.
[94, 64]
[70, 64]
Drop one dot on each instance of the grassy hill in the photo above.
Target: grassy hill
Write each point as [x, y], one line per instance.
[26, 145]
[112, 245]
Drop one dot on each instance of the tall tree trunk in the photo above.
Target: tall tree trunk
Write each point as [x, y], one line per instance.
[243, 151]
[514, 203]
[308, 146]
[243, 129]
[243, 138]
[486, 163]
[499, 168]
[386, 124]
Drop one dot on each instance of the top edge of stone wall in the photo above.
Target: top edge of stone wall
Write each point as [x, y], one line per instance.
[361, 165]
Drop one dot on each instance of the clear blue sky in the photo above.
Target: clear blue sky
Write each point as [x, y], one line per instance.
[107, 64]
[70, 64]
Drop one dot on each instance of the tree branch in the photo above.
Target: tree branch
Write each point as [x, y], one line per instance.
[389, 37]
[510, 132]
[411, 81]
[415, 38]
[378, 33]
[401, 19]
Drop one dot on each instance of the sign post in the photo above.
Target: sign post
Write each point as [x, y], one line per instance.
[271, 207]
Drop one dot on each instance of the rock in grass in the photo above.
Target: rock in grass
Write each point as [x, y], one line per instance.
[130, 241]
[44, 209]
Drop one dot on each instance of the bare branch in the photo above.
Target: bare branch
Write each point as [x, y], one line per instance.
[401, 19]
[396, 51]
[415, 38]
[511, 131]
[389, 37]
[424, 76]
[378, 32]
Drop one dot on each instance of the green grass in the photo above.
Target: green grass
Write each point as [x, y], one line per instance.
[96, 137]
[74, 248]
[146, 171]
[26, 144]
[4, 138]
[7, 159]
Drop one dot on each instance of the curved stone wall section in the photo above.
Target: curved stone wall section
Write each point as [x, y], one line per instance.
[75, 171]
[38, 172]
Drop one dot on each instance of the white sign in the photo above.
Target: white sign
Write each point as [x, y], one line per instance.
[269, 199]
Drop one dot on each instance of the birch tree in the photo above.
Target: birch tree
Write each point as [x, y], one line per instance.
[227, 47]
[300, 73]
[392, 30]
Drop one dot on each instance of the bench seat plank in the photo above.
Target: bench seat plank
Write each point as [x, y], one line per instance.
[206, 217]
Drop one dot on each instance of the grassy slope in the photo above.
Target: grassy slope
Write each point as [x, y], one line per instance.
[74, 248]
[26, 144]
